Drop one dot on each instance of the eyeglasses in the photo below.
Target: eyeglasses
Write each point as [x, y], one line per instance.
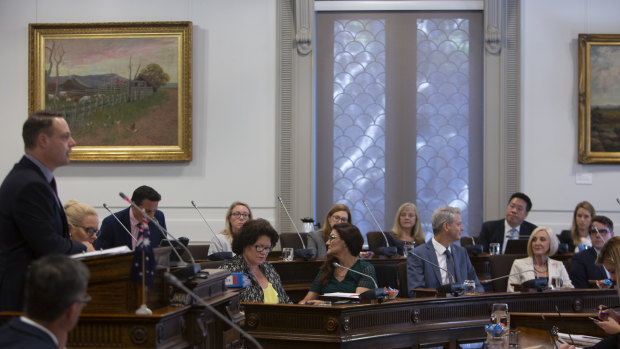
[89, 231]
[340, 219]
[240, 214]
[86, 300]
[261, 248]
[333, 237]
[600, 231]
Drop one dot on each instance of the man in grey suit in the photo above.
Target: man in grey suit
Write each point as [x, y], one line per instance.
[440, 261]
[514, 226]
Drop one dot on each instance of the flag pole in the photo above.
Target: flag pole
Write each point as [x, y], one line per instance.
[143, 310]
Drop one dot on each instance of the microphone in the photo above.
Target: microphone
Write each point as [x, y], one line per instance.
[538, 284]
[188, 270]
[305, 253]
[563, 324]
[388, 250]
[119, 222]
[456, 289]
[553, 331]
[473, 248]
[174, 281]
[376, 293]
[505, 276]
[216, 256]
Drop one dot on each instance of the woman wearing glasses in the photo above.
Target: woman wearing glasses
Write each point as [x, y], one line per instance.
[339, 213]
[83, 222]
[238, 213]
[343, 246]
[251, 246]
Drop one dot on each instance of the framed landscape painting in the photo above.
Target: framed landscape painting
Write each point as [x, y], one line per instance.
[125, 88]
[599, 98]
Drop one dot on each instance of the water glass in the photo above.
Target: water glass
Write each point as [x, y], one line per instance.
[494, 248]
[500, 321]
[469, 286]
[557, 283]
[287, 254]
[407, 245]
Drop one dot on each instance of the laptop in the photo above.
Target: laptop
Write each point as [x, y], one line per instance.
[516, 246]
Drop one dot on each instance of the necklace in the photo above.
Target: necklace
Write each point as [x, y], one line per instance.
[540, 271]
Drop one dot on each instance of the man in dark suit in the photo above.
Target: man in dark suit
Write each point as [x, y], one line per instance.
[583, 266]
[55, 296]
[32, 220]
[453, 261]
[512, 227]
[113, 234]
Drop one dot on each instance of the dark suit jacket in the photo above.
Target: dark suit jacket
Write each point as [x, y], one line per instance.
[32, 224]
[17, 334]
[493, 231]
[422, 274]
[112, 233]
[584, 268]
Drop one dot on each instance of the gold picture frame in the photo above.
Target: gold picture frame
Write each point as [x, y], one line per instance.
[126, 88]
[599, 101]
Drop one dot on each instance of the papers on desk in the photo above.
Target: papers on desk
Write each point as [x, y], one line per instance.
[580, 340]
[109, 251]
[342, 295]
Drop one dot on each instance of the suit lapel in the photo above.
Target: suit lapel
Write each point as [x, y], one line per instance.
[432, 256]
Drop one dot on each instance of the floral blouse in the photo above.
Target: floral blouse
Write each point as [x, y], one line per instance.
[254, 293]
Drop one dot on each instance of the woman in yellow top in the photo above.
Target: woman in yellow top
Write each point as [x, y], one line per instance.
[252, 245]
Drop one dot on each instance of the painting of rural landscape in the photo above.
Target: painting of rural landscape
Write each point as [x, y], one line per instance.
[605, 98]
[118, 91]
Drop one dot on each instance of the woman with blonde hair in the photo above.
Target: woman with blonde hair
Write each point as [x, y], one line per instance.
[543, 243]
[578, 237]
[83, 222]
[339, 213]
[237, 214]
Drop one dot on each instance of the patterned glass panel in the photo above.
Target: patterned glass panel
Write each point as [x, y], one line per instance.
[443, 117]
[359, 118]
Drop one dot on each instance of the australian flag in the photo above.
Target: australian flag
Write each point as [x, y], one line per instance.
[144, 244]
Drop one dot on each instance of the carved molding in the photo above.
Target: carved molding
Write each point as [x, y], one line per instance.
[303, 25]
[492, 26]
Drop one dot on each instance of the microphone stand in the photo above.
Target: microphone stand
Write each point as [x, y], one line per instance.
[187, 271]
[173, 280]
[119, 222]
[216, 256]
[388, 250]
[456, 289]
[377, 293]
[305, 253]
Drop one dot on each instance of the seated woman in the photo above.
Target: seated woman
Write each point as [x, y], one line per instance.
[238, 213]
[252, 245]
[339, 213]
[83, 222]
[343, 246]
[609, 257]
[542, 244]
[407, 229]
[579, 233]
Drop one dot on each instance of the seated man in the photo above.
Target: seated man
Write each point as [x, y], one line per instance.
[440, 261]
[583, 266]
[55, 296]
[114, 234]
[512, 227]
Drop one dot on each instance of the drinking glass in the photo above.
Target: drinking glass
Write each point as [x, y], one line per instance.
[494, 248]
[557, 282]
[407, 245]
[500, 321]
[287, 254]
[469, 286]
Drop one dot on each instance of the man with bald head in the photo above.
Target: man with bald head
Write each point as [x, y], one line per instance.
[32, 219]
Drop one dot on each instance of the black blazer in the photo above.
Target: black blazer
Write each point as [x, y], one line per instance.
[493, 231]
[112, 233]
[32, 224]
[583, 268]
[17, 334]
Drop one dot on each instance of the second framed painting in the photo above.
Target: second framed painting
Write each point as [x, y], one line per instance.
[125, 88]
[599, 98]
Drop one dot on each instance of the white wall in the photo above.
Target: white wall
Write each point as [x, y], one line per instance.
[550, 110]
[234, 72]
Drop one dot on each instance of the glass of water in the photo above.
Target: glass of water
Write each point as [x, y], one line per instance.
[494, 248]
[499, 326]
[557, 283]
[287, 254]
[469, 286]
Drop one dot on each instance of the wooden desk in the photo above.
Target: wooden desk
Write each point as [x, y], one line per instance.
[403, 323]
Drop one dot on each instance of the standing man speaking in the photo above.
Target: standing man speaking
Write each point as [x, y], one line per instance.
[32, 220]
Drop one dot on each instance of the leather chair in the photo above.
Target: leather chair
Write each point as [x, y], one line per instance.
[375, 240]
[500, 265]
[467, 241]
[199, 251]
[403, 289]
[292, 240]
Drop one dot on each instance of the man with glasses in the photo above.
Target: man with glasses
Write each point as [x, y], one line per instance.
[114, 230]
[55, 296]
[583, 267]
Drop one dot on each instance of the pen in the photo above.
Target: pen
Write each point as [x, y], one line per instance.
[614, 307]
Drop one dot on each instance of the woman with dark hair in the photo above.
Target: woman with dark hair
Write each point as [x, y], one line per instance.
[343, 246]
[238, 213]
[339, 213]
[251, 246]
[579, 233]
